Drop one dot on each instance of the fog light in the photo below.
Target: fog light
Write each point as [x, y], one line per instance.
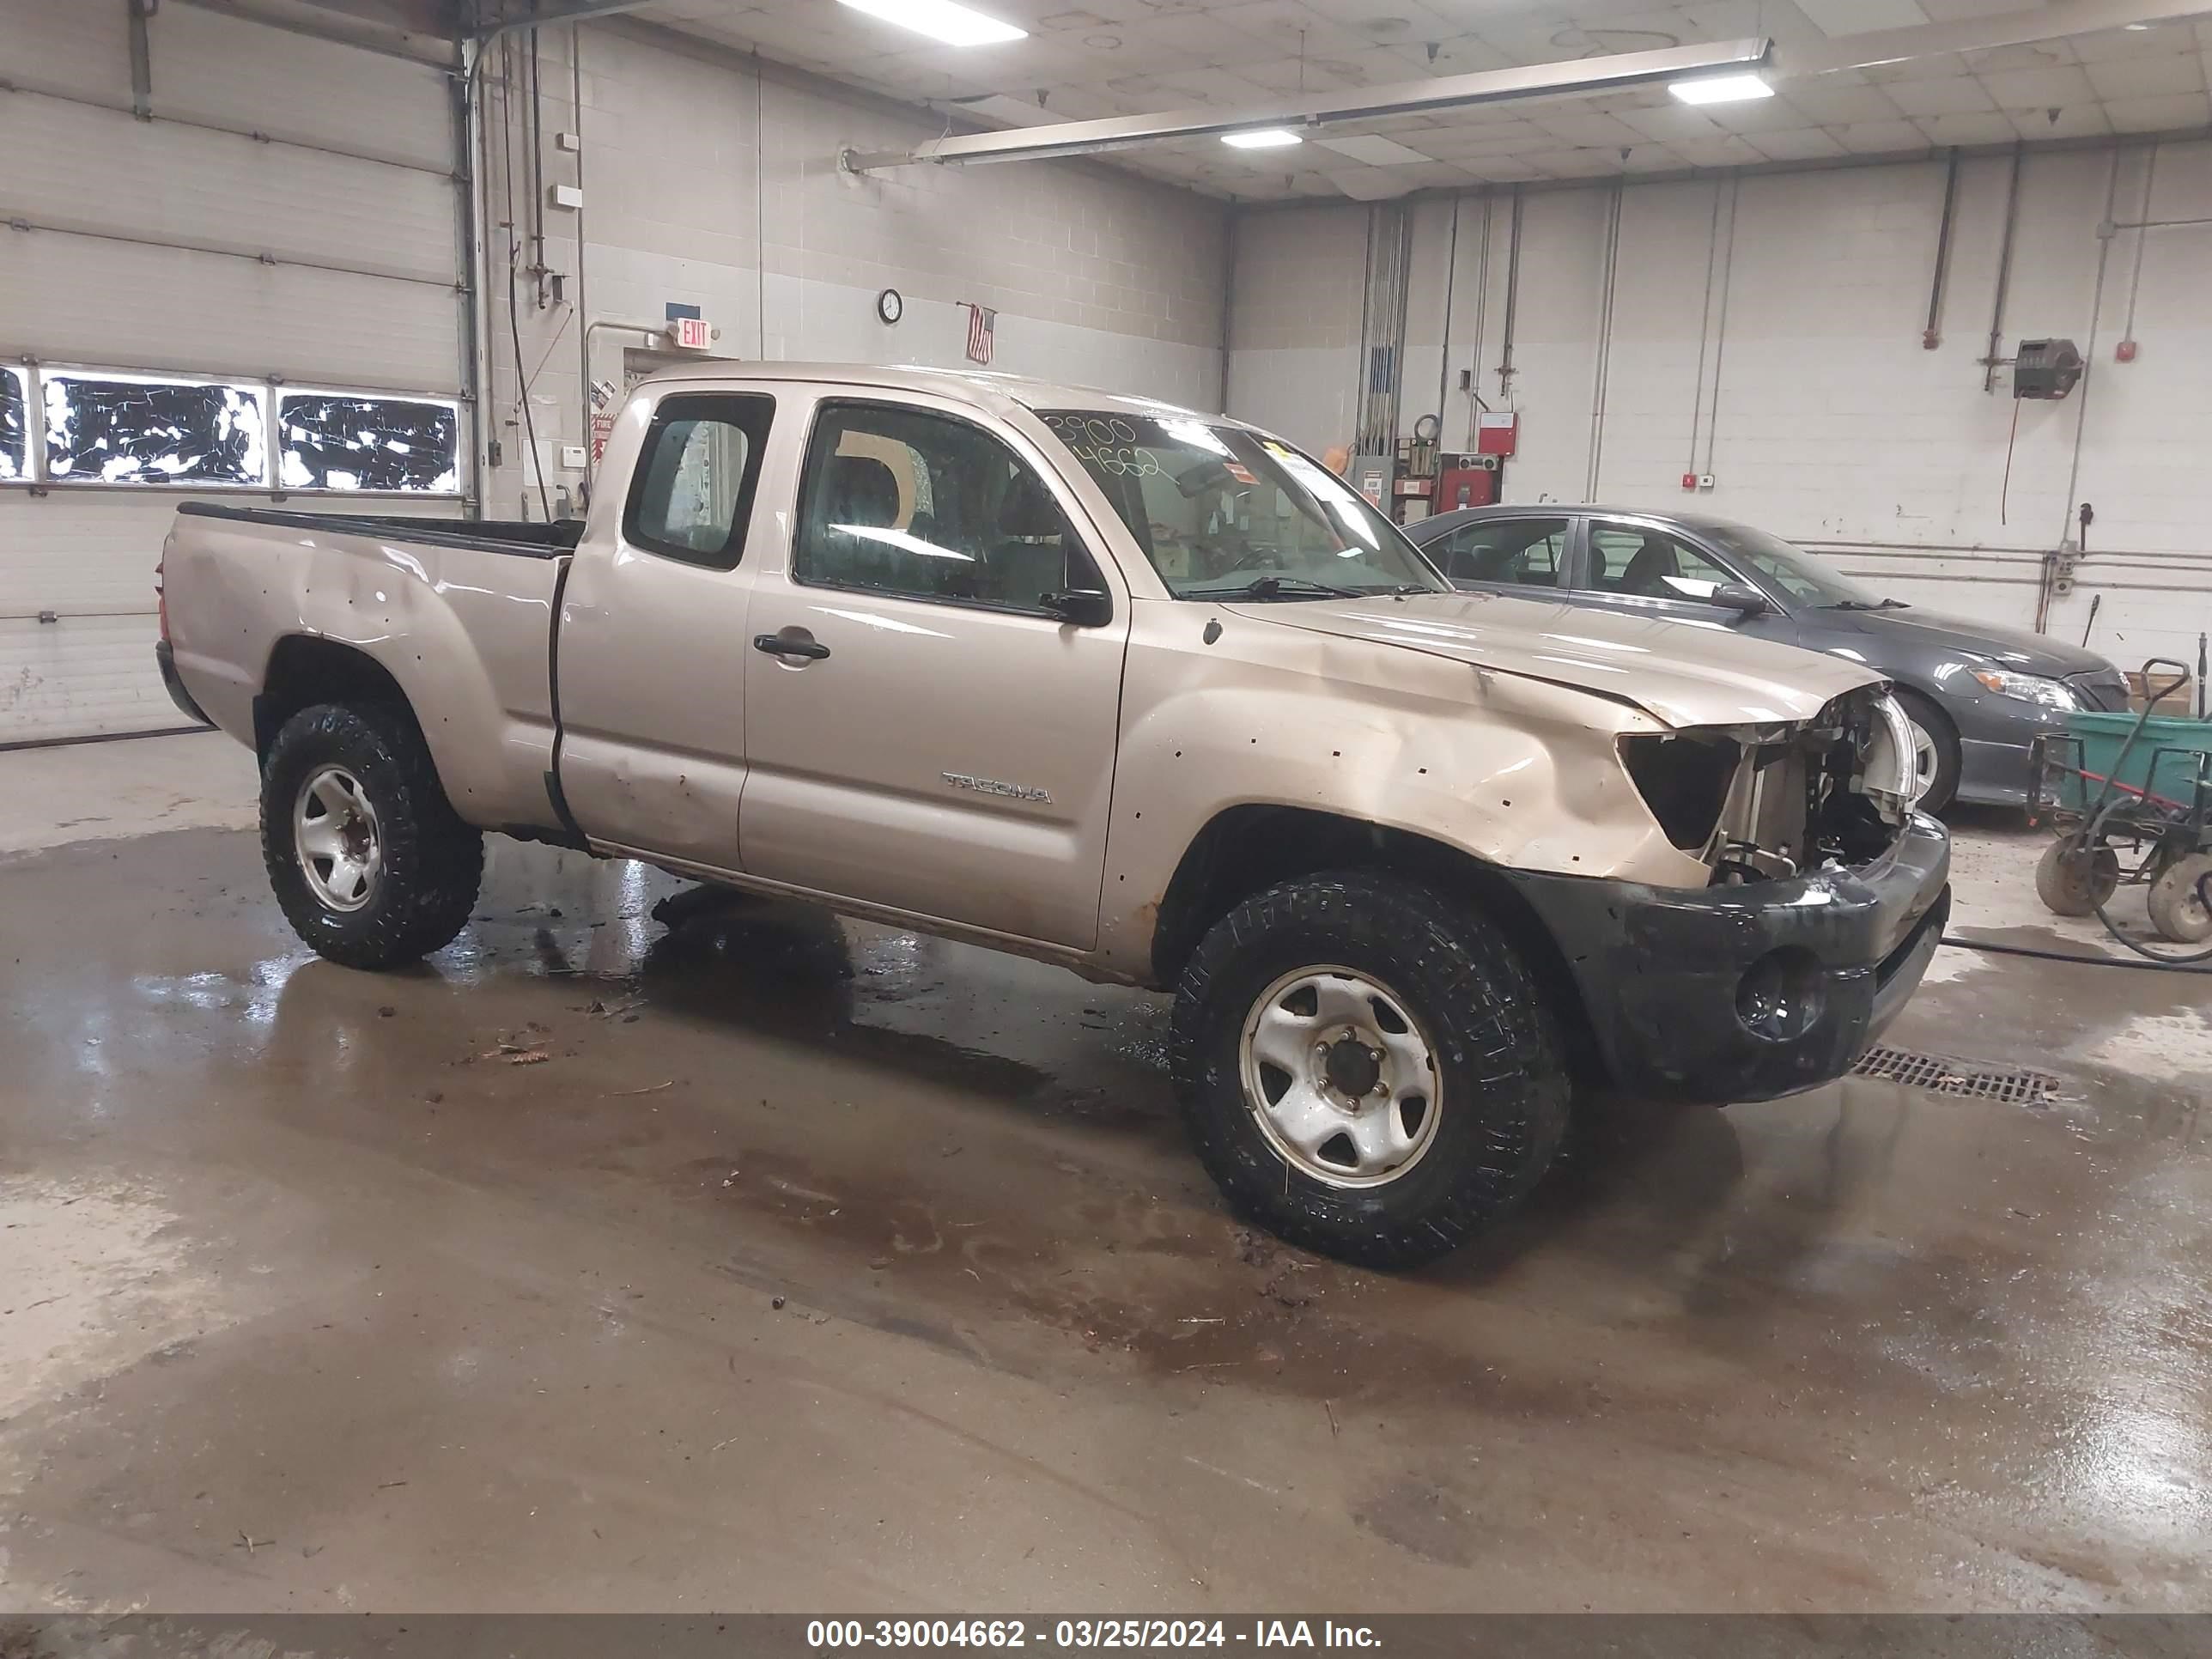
[1781, 996]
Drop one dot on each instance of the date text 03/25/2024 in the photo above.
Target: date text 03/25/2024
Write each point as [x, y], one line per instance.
[1065, 1633]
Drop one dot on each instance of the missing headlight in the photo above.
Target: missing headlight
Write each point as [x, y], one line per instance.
[1684, 779]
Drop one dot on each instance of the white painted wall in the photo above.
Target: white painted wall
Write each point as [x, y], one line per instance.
[1799, 372]
[697, 177]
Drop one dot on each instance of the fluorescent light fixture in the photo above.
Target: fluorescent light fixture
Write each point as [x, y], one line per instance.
[954, 24]
[1265, 138]
[1712, 88]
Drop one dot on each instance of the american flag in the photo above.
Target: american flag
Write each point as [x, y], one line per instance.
[982, 322]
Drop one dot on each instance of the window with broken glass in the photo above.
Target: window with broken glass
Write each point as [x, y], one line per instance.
[15, 425]
[345, 441]
[133, 430]
[116, 426]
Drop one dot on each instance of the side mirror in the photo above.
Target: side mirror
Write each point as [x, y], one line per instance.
[1083, 607]
[1740, 597]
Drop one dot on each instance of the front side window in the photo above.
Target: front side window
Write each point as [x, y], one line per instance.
[900, 501]
[1650, 564]
[694, 484]
[1224, 513]
[142, 429]
[1520, 552]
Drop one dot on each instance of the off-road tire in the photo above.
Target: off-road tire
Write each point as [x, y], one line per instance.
[2076, 881]
[1503, 1086]
[432, 863]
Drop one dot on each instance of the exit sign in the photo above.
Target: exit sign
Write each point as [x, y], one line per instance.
[691, 333]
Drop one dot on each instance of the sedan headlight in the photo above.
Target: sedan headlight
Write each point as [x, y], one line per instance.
[2028, 688]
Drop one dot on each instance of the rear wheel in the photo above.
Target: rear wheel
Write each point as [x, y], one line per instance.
[1365, 1067]
[370, 863]
[1934, 751]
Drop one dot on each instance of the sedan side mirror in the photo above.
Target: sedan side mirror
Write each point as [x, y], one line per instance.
[1083, 607]
[1739, 597]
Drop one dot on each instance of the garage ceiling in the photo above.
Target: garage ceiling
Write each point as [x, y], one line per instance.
[1104, 57]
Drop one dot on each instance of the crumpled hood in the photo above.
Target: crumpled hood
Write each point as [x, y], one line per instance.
[1686, 673]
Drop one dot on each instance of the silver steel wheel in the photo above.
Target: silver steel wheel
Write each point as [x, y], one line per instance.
[1339, 1077]
[1925, 760]
[337, 839]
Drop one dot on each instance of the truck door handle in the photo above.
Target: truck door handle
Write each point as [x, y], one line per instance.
[786, 645]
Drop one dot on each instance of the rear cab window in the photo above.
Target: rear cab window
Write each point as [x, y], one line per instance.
[692, 492]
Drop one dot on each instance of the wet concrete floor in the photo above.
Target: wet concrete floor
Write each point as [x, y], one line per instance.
[769, 1261]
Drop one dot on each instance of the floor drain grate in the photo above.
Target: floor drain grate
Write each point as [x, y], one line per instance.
[1946, 1076]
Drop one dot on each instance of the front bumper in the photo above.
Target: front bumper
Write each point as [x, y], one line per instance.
[1664, 971]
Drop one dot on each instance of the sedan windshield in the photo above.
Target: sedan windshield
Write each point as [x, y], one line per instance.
[1226, 513]
[1806, 580]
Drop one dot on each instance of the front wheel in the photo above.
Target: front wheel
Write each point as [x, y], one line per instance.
[370, 863]
[1366, 1067]
[1935, 754]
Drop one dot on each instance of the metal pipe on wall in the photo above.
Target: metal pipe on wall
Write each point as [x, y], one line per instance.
[1443, 351]
[1602, 365]
[1719, 325]
[1481, 323]
[1705, 325]
[1512, 301]
[1995, 357]
[2045, 593]
[1932, 334]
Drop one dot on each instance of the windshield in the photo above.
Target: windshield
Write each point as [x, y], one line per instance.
[1805, 579]
[1224, 513]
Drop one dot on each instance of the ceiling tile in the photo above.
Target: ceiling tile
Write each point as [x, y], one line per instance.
[1839, 18]
[1372, 148]
[2147, 77]
[1991, 128]
[1585, 127]
[1880, 137]
[1805, 144]
[2117, 46]
[2073, 121]
[1371, 184]
[2177, 114]
[2056, 86]
[1574, 163]
[1670, 122]
[1829, 105]
[1724, 150]
[1958, 95]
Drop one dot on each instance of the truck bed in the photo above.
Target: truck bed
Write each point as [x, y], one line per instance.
[459, 613]
[526, 538]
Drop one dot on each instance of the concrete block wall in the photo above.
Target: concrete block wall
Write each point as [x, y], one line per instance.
[709, 182]
[1767, 328]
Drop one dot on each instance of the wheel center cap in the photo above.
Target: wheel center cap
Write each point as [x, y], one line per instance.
[1352, 1068]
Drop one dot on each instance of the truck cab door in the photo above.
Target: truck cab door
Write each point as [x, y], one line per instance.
[924, 732]
[650, 654]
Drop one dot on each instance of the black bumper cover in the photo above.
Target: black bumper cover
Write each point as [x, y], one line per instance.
[1659, 969]
[165, 654]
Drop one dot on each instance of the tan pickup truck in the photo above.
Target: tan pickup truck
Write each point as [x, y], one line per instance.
[1139, 691]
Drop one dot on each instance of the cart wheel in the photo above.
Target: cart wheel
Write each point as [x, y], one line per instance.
[2177, 909]
[2073, 880]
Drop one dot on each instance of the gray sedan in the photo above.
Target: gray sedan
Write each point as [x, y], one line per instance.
[1978, 694]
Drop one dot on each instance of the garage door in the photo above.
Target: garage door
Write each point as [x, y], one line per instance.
[255, 294]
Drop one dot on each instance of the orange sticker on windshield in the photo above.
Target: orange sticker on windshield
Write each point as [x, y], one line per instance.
[1240, 472]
